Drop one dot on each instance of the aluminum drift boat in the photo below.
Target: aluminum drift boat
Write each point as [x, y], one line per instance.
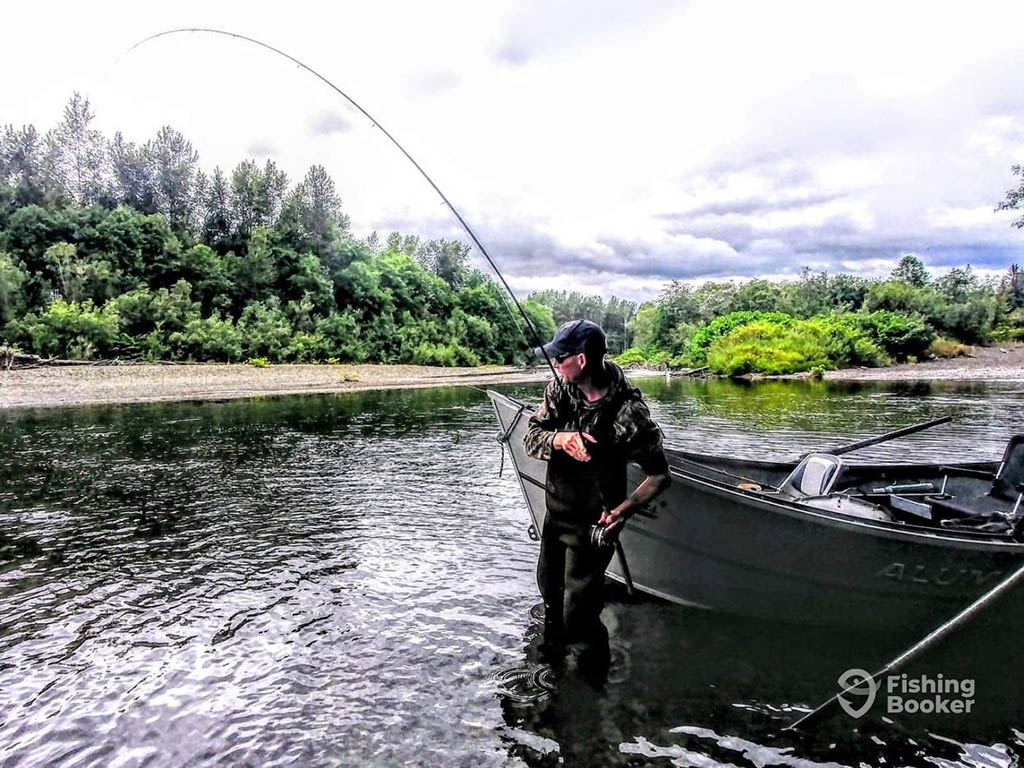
[819, 542]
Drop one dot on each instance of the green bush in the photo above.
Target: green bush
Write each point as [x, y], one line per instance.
[704, 337]
[765, 347]
[265, 331]
[72, 330]
[819, 343]
[210, 338]
[901, 336]
[306, 347]
[970, 321]
[342, 338]
[12, 278]
[642, 356]
[258, 362]
[845, 343]
[631, 356]
[450, 355]
[901, 297]
[1008, 334]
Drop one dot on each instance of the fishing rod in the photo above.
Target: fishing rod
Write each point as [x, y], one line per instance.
[376, 124]
[537, 340]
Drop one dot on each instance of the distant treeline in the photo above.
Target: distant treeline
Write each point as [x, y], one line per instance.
[822, 321]
[110, 249]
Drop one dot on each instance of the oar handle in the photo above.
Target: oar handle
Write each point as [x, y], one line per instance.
[840, 450]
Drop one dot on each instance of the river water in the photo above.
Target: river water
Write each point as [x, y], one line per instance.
[346, 580]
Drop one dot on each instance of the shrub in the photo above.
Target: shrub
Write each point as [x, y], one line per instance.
[969, 321]
[1008, 334]
[631, 356]
[845, 342]
[703, 338]
[77, 331]
[342, 338]
[943, 347]
[764, 347]
[12, 278]
[449, 355]
[210, 338]
[265, 331]
[258, 362]
[306, 347]
[898, 296]
[817, 344]
[901, 336]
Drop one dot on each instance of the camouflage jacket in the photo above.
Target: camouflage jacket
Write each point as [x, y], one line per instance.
[577, 492]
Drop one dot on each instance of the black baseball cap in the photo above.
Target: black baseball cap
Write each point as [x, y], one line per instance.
[574, 337]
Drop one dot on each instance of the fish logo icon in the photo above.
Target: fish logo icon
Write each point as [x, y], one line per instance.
[858, 682]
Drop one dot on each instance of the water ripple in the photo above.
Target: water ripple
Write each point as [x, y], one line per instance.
[339, 580]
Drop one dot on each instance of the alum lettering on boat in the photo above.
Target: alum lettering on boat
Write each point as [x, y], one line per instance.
[591, 423]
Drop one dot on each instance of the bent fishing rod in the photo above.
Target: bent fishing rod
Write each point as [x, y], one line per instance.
[537, 340]
[376, 124]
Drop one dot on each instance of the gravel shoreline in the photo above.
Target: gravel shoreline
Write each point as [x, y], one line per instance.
[1001, 362]
[51, 387]
[104, 385]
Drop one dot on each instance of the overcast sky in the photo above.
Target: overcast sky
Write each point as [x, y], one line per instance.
[601, 146]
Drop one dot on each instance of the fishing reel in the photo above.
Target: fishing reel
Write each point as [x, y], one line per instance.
[600, 538]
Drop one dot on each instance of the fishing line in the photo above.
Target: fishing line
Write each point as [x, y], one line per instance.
[376, 124]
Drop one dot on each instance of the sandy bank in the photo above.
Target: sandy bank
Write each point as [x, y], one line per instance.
[89, 385]
[1002, 362]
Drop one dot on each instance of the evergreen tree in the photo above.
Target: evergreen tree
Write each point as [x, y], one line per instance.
[22, 164]
[76, 156]
[911, 270]
[132, 176]
[178, 183]
[311, 216]
[217, 212]
[448, 259]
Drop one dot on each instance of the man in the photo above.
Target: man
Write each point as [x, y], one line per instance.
[591, 423]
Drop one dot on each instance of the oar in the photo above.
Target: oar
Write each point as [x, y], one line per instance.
[840, 450]
[625, 568]
[933, 637]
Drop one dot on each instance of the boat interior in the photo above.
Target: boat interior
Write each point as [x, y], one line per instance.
[981, 498]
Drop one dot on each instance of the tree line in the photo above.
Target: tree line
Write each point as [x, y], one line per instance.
[822, 321]
[110, 249]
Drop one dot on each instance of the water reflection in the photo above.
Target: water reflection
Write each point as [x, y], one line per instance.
[345, 580]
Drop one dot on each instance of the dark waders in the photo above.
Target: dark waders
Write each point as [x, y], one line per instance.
[570, 574]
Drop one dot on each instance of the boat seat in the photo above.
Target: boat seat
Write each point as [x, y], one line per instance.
[1011, 470]
[1004, 497]
[814, 476]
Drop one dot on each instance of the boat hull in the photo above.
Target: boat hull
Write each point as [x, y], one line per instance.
[709, 543]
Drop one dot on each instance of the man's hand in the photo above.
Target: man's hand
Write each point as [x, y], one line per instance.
[614, 519]
[574, 444]
[613, 522]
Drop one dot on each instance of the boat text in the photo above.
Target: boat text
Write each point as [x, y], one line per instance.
[944, 577]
